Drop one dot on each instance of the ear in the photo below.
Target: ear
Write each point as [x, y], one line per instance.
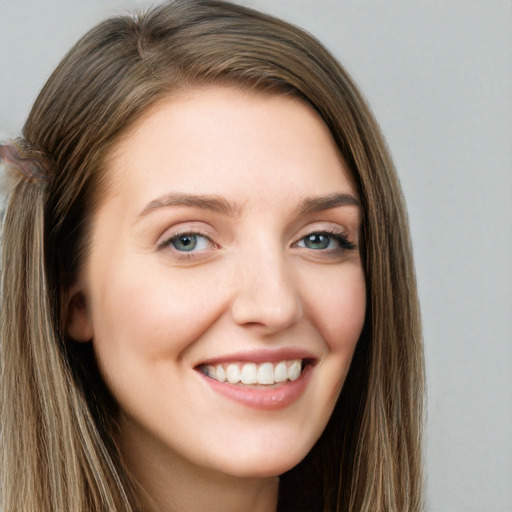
[78, 324]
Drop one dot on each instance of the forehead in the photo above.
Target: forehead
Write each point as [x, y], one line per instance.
[218, 139]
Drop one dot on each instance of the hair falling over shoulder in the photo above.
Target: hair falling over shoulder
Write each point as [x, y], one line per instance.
[57, 418]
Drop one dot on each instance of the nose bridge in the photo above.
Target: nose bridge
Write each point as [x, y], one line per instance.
[266, 292]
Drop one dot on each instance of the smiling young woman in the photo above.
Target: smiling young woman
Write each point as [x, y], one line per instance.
[208, 295]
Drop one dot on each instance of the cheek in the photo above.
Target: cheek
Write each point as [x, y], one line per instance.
[340, 308]
[150, 315]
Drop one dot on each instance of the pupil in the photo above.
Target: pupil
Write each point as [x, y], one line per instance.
[185, 243]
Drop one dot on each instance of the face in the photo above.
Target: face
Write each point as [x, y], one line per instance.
[224, 292]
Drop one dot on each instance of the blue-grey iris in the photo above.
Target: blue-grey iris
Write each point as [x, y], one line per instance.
[317, 241]
[185, 242]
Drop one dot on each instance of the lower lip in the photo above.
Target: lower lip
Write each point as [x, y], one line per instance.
[262, 398]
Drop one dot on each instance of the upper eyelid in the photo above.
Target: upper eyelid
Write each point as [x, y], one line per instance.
[185, 228]
[166, 240]
[332, 234]
[198, 227]
[329, 227]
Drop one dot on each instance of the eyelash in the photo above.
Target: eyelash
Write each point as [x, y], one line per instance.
[184, 255]
[344, 244]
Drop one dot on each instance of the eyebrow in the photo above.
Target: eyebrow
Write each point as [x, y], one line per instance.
[212, 203]
[318, 204]
[219, 204]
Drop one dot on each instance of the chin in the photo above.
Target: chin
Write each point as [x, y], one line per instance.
[264, 464]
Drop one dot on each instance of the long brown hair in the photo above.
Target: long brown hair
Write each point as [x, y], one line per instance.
[57, 447]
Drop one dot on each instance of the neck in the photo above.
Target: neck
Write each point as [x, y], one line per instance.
[168, 483]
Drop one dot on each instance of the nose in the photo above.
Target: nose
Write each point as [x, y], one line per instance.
[267, 295]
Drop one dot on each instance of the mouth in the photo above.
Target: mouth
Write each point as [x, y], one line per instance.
[264, 374]
[258, 382]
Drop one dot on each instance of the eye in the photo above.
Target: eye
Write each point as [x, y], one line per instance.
[188, 242]
[325, 241]
[316, 241]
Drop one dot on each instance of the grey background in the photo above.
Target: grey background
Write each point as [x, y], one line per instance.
[438, 75]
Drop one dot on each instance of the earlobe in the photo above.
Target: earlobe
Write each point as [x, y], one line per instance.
[78, 323]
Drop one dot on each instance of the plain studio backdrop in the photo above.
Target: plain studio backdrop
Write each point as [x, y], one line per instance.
[438, 75]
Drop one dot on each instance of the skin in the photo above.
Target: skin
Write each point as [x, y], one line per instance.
[253, 283]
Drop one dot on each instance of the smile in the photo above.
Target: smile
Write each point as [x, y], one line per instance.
[260, 384]
[266, 374]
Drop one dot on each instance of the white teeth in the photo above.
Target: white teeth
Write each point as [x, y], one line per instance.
[294, 370]
[281, 372]
[251, 373]
[266, 373]
[220, 373]
[233, 374]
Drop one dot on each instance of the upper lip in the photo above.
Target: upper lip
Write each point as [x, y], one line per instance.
[261, 356]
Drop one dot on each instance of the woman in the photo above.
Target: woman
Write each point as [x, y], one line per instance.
[208, 280]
